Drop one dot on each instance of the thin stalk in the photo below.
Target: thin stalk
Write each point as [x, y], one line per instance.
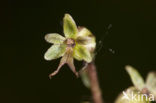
[95, 88]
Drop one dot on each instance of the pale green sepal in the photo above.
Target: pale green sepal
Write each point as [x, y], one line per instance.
[86, 38]
[82, 53]
[135, 77]
[69, 26]
[54, 38]
[83, 31]
[55, 51]
[151, 83]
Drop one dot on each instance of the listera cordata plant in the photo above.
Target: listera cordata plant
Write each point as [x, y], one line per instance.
[141, 92]
[77, 42]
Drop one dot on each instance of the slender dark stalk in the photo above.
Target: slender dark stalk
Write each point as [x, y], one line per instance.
[95, 89]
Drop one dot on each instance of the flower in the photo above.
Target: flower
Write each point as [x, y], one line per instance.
[78, 43]
[148, 86]
[142, 91]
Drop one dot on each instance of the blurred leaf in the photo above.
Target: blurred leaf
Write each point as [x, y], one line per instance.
[135, 77]
[69, 26]
[55, 51]
[54, 38]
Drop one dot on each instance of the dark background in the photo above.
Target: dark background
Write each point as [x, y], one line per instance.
[24, 72]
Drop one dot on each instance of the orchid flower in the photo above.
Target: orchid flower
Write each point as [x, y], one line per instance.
[144, 91]
[148, 86]
[78, 43]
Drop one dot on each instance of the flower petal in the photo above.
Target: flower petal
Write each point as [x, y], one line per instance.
[67, 58]
[135, 77]
[54, 38]
[82, 53]
[69, 26]
[70, 63]
[86, 38]
[62, 62]
[151, 83]
[55, 51]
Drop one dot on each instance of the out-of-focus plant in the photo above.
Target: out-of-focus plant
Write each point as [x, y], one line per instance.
[141, 92]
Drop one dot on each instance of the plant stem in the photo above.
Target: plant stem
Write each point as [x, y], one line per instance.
[95, 89]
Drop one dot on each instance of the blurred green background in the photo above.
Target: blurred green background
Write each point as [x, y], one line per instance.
[24, 72]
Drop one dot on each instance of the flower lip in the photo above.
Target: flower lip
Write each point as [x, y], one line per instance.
[70, 42]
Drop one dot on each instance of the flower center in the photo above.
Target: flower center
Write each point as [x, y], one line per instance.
[70, 42]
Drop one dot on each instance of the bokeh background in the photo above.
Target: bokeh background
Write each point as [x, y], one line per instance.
[24, 72]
